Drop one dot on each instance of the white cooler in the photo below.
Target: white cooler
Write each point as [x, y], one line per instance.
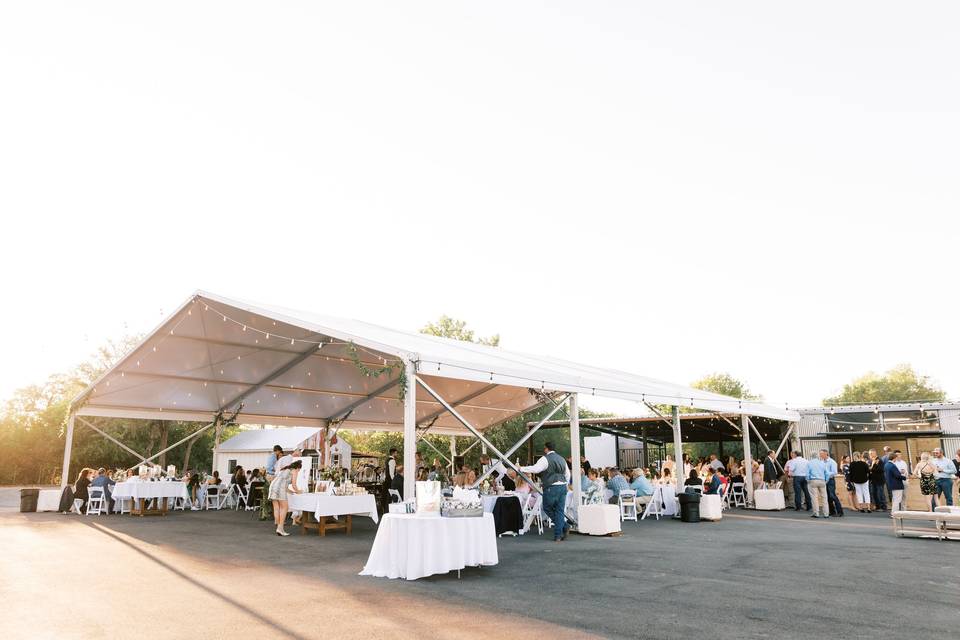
[48, 500]
[769, 500]
[710, 507]
[599, 519]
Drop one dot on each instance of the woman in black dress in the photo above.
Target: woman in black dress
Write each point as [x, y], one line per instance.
[81, 487]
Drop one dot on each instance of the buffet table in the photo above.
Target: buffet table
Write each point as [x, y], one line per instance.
[140, 491]
[324, 506]
[411, 546]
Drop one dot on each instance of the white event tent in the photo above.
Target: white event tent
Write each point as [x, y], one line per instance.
[216, 356]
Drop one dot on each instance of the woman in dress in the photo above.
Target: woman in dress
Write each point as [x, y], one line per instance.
[925, 470]
[595, 489]
[283, 483]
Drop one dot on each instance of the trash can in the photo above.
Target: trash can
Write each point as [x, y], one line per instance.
[689, 507]
[28, 500]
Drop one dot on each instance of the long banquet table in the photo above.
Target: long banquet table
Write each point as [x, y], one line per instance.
[412, 546]
[159, 492]
[324, 505]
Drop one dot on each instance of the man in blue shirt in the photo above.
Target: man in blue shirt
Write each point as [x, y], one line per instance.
[817, 483]
[836, 508]
[275, 455]
[617, 483]
[946, 470]
[103, 480]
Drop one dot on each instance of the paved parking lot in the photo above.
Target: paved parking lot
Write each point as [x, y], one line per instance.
[223, 575]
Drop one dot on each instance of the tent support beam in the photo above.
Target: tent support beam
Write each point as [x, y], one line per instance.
[410, 432]
[474, 431]
[353, 405]
[678, 466]
[520, 442]
[666, 420]
[747, 460]
[575, 468]
[112, 439]
[466, 398]
[420, 438]
[786, 437]
[157, 454]
[273, 375]
[67, 451]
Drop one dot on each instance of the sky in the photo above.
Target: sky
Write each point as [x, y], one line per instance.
[672, 189]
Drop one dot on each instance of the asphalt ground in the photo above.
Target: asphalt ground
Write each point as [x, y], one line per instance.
[223, 574]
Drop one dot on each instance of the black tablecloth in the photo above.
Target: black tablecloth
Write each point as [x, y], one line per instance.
[507, 515]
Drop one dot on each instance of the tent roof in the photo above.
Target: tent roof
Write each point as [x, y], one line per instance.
[695, 427]
[264, 439]
[301, 369]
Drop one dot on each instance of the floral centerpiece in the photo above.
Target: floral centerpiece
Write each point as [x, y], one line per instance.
[335, 474]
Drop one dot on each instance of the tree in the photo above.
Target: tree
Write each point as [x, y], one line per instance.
[725, 384]
[899, 384]
[447, 327]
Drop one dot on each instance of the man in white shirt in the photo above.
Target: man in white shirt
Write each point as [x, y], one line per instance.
[555, 476]
[797, 469]
[714, 463]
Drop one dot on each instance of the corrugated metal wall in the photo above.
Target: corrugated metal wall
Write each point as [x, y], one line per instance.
[811, 425]
[951, 446]
[950, 420]
[812, 446]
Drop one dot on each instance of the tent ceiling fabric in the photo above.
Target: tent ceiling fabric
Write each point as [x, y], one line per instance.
[296, 368]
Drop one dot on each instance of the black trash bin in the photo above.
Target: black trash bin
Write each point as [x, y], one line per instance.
[689, 507]
[28, 500]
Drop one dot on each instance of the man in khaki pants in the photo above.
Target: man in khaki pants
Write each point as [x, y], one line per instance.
[817, 477]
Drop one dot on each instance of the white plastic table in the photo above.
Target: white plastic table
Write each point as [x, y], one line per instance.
[325, 505]
[139, 491]
[410, 546]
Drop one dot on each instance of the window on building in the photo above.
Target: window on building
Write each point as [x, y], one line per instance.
[231, 466]
[883, 422]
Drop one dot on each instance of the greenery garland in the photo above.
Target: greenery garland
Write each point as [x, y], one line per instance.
[388, 368]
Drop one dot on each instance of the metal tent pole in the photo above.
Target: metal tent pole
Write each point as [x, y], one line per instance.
[677, 448]
[575, 452]
[410, 433]
[67, 450]
[747, 460]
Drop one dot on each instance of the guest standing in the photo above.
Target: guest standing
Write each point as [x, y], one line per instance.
[946, 470]
[833, 501]
[397, 482]
[275, 455]
[895, 479]
[927, 471]
[860, 477]
[771, 472]
[797, 469]
[555, 476]
[279, 490]
[878, 481]
[817, 483]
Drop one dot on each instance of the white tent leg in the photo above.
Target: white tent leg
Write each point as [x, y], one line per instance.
[453, 455]
[410, 433]
[747, 461]
[575, 452]
[67, 450]
[677, 449]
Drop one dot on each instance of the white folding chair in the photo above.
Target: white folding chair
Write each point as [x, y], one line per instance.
[738, 496]
[77, 506]
[532, 512]
[212, 499]
[394, 494]
[724, 496]
[96, 503]
[628, 505]
[655, 506]
[121, 505]
[243, 497]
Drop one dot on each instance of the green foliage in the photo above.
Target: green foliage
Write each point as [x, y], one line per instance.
[387, 369]
[899, 384]
[725, 384]
[447, 327]
[32, 427]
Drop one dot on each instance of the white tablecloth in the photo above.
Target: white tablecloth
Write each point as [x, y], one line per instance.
[490, 501]
[599, 519]
[710, 507]
[666, 496]
[768, 499]
[148, 490]
[411, 546]
[323, 504]
[49, 500]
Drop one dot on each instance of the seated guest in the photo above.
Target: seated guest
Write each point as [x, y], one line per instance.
[193, 487]
[465, 478]
[694, 479]
[257, 481]
[103, 481]
[397, 483]
[640, 484]
[509, 481]
[616, 482]
[665, 477]
[422, 474]
[81, 487]
[522, 486]
[712, 483]
[437, 472]
[214, 479]
[584, 481]
[240, 479]
[595, 492]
